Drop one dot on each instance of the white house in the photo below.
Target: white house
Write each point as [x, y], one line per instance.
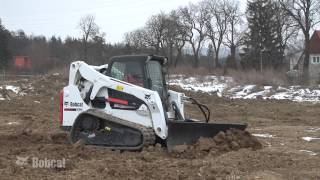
[314, 60]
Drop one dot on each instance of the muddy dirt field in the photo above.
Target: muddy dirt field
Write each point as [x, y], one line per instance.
[29, 128]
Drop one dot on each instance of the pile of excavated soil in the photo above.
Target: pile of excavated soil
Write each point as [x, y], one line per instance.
[231, 140]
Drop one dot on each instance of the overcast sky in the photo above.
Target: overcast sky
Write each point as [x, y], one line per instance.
[61, 17]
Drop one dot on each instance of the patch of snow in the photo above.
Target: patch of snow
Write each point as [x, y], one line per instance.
[210, 84]
[295, 93]
[309, 152]
[313, 129]
[244, 91]
[267, 87]
[225, 86]
[257, 94]
[310, 138]
[263, 135]
[14, 89]
[268, 143]
[22, 93]
[92, 135]
[12, 123]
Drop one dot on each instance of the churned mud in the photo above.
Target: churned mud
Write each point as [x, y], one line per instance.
[272, 147]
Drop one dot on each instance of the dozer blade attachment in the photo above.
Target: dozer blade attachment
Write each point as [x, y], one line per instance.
[185, 132]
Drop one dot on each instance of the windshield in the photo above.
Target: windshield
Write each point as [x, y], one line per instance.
[131, 72]
[155, 75]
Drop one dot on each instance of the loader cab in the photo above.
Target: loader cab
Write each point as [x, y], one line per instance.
[147, 71]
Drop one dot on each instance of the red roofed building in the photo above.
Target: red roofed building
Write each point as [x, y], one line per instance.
[315, 43]
[22, 63]
[314, 63]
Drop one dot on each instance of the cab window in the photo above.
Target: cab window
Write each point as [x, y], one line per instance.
[155, 74]
[117, 70]
[128, 71]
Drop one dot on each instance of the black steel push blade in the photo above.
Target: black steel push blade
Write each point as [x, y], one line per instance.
[184, 132]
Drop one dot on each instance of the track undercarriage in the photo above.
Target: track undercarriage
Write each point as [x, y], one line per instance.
[99, 129]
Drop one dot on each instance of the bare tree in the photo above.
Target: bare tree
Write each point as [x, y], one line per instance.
[216, 25]
[174, 37]
[163, 32]
[305, 13]
[170, 35]
[136, 39]
[155, 29]
[180, 34]
[286, 29]
[89, 29]
[234, 34]
[193, 18]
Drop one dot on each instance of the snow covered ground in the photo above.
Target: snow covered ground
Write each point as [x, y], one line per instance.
[226, 87]
[220, 85]
[7, 91]
[310, 138]
[263, 135]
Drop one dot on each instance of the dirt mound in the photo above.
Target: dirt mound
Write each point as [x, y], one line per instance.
[232, 140]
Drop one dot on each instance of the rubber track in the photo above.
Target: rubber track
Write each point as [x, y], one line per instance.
[148, 134]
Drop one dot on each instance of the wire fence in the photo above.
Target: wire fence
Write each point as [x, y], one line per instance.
[5, 77]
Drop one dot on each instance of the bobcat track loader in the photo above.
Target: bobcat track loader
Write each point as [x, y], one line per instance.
[127, 105]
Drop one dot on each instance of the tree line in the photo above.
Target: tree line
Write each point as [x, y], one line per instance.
[262, 35]
[54, 52]
[196, 34]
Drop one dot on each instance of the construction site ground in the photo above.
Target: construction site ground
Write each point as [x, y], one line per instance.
[29, 127]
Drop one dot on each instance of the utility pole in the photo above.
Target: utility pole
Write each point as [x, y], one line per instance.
[260, 61]
[260, 53]
[261, 57]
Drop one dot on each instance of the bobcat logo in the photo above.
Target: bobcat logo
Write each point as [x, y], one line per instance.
[22, 161]
[147, 96]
